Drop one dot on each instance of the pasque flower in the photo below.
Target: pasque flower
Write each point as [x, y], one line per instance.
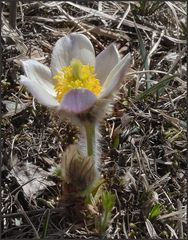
[76, 81]
[78, 84]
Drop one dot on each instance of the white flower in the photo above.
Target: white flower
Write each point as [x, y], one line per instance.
[77, 81]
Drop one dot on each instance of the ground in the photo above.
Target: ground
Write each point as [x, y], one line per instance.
[143, 140]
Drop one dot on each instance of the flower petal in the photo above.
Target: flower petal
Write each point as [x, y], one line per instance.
[78, 101]
[36, 71]
[38, 92]
[72, 46]
[106, 61]
[115, 76]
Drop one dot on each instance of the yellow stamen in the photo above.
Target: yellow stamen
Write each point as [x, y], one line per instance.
[76, 76]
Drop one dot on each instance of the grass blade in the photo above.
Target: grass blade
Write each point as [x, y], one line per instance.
[155, 88]
[144, 55]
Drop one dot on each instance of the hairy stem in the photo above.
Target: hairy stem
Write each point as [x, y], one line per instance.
[90, 137]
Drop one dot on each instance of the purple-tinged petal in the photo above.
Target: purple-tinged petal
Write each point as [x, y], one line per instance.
[36, 71]
[38, 92]
[72, 46]
[115, 77]
[78, 101]
[106, 61]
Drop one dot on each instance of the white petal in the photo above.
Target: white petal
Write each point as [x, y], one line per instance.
[72, 46]
[41, 73]
[38, 92]
[115, 76]
[106, 61]
[78, 101]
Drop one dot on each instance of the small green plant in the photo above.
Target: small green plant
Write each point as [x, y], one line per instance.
[93, 192]
[102, 221]
[57, 172]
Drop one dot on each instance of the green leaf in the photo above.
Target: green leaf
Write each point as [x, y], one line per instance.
[108, 201]
[155, 212]
[46, 223]
[115, 141]
[93, 191]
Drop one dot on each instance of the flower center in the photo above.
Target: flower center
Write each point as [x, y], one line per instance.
[76, 76]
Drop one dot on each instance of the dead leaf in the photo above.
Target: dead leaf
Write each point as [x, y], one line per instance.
[32, 178]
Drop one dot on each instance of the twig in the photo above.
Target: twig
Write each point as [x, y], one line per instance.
[12, 13]
[80, 26]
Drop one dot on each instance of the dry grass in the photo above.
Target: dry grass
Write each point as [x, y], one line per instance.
[143, 140]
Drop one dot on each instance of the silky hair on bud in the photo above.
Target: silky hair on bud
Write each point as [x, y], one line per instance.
[78, 170]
